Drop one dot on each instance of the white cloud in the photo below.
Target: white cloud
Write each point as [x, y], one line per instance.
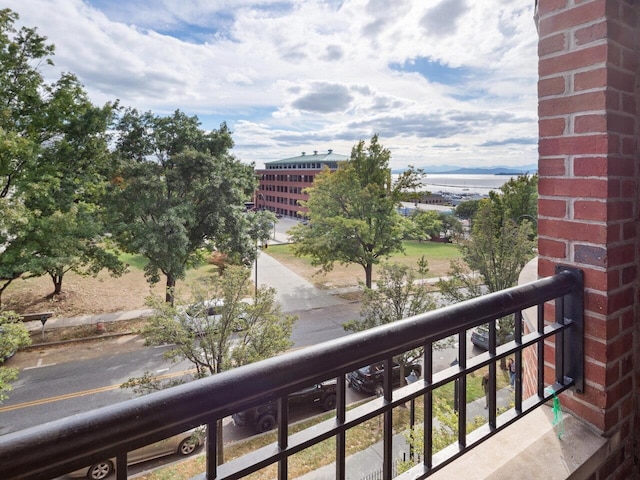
[312, 74]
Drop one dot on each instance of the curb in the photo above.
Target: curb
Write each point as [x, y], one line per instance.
[35, 346]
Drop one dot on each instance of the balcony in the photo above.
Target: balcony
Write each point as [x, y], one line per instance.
[56, 448]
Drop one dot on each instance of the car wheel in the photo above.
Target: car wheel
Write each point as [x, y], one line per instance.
[329, 403]
[100, 470]
[187, 446]
[378, 390]
[265, 423]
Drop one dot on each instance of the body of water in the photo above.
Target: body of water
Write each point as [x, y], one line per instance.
[464, 184]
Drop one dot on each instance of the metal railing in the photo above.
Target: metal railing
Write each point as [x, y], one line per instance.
[58, 447]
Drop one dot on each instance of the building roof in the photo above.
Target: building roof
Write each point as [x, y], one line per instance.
[305, 159]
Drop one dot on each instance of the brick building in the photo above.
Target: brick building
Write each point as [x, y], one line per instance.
[281, 182]
[589, 167]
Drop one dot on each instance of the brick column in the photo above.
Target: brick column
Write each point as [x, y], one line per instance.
[588, 198]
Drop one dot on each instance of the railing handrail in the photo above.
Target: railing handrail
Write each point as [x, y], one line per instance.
[66, 444]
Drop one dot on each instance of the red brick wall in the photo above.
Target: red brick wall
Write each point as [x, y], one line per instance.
[589, 200]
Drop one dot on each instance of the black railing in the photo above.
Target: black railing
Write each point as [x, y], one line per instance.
[58, 447]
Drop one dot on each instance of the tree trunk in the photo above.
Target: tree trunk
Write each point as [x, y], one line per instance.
[57, 283]
[368, 274]
[170, 290]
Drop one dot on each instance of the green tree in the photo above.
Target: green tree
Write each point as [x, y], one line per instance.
[425, 224]
[467, 209]
[177, 192]
[66, 194]
[13, 335]
[397, 295]
[518, 198]
[498, 248]
[352, 212]
[240, 332]
[53, 152]
[451, 226]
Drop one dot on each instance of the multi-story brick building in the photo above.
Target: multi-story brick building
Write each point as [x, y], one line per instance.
[282, 181]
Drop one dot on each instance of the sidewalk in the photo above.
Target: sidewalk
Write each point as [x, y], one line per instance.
[367, 463]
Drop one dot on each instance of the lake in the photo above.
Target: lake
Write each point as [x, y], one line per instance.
[464, 183]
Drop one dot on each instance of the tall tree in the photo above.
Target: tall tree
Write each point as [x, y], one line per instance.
[66, 194]
[177, 191]
[53, 149]
[518, 198]
[352, 212]
[239, 333]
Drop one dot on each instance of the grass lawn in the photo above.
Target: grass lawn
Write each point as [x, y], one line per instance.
[438, 255]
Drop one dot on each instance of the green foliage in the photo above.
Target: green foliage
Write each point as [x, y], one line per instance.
[397, 295]
[176, 191]
[241, 332]
[499, 247]
[424, 225]
[352, 212]
[53, 153]
[13, 335]
[467, 210]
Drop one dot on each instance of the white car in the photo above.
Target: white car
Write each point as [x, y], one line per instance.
[184, 444]
[200, 316]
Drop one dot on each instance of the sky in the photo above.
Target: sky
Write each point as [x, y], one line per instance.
[448, 82]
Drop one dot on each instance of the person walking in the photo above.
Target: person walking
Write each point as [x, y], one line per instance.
[511, 366]
[485, 387]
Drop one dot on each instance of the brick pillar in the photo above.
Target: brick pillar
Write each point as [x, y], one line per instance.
[588, 199]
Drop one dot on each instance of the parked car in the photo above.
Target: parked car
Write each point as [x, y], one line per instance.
[480, 337]
[369, 379]
[198, 317]
[184, 444]
[263, 417]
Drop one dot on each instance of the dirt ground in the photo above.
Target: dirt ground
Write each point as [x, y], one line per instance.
[105, 294]
[80, 295]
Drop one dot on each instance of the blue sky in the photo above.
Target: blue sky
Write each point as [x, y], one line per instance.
[442, 82]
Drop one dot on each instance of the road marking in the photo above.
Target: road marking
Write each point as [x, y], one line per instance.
[162, 370]
[83, 393]
[39, 365]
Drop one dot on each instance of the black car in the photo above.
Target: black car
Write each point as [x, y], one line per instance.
[480, 337]
[263, 417]
[369, 379]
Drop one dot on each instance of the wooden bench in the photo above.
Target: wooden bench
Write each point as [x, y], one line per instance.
[42, 316]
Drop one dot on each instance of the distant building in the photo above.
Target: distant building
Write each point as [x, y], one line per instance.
[281, 182]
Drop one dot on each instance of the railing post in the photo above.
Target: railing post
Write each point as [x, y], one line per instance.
[571, 350]
[387, 431]
[341, 437]
[121, 466]
[212, 450]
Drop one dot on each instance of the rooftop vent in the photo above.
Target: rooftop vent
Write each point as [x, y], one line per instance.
[315, 152]
[303, 153]
[330, 151]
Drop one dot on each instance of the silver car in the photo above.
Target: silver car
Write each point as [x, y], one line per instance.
[184, 444]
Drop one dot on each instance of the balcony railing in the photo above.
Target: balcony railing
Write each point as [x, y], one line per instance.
[61, 446]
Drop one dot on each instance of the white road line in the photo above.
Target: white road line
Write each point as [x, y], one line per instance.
[39, 365]
[162, 370]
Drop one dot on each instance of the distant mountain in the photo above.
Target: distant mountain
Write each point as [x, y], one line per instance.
[494, 170]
